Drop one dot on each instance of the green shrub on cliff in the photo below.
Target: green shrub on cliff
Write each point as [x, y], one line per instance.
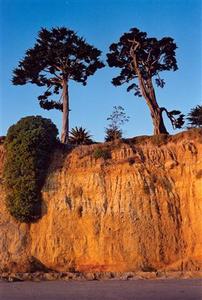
[28, 145]
[102, 153]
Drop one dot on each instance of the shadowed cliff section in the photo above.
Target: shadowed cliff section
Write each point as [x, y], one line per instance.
[137, 208]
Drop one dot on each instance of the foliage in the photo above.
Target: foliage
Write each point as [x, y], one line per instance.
[153, 57]
[176, 117]
[59, 55]
[102, 153]
[28, 144]
[142, 58]
[195, 117]
[117, 119]
[112, 134]
[79, 136]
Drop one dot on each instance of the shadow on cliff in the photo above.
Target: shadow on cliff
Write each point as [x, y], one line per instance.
[59, 156]
[36, 265]
[56, 163]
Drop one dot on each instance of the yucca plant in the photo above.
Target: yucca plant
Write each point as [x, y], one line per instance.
[79, 136]
[112, 134]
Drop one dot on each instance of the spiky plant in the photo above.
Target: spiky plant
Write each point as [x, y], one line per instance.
[79, 136]
[195, 117]
[112, 134]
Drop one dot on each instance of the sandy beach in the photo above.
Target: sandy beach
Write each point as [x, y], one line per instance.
[188, 289]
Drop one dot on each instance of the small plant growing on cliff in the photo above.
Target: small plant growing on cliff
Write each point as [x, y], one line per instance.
[79, 136]
[28, 145]
[117, 118]
[195, 117]
[102, 153]
[112, 134]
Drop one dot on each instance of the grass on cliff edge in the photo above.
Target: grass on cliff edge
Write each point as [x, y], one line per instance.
[103, 150]
[163, 139]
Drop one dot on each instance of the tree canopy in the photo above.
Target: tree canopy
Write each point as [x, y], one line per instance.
[59, 55]
[142, 59]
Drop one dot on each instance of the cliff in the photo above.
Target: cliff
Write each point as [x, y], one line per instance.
[138, 210]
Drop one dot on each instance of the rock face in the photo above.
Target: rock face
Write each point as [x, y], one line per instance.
[138, 210]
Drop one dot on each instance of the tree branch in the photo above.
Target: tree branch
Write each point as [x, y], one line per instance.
[171, 117]
[149, 54]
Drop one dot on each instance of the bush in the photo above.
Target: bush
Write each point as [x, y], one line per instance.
[101, 153]
[113, 134]
[28, 144]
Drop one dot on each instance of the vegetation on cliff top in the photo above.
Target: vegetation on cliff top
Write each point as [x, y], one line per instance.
[195, 117]
[117, 118]
[80, 136]
[58, 56]
[142, 58]
[29, 144]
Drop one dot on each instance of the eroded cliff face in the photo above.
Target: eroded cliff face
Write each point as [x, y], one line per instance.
[139, 210]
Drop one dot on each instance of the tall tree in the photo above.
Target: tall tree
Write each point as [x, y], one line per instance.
[58, 56]
[195, 117]
[141, 58]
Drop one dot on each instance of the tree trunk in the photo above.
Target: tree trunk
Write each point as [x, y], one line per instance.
[156, 112]
[147, 90]
[65, 113]
[157, 120]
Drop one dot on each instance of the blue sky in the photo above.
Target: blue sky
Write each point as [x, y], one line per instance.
[101, 22]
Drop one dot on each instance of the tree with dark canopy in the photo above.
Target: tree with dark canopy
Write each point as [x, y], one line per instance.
[195, 117]
[57, 57]
[143, 58]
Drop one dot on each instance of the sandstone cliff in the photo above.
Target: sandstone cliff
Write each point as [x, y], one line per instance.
[139, 210]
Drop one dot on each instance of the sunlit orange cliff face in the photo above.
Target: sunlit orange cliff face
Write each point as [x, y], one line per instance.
[139, 209]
